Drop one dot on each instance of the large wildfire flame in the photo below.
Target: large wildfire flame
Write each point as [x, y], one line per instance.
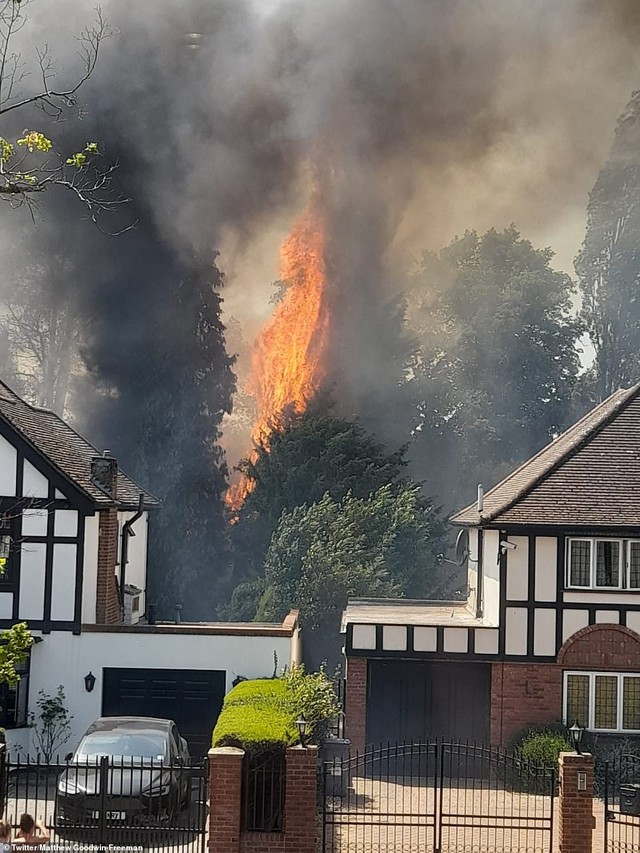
[287, 365]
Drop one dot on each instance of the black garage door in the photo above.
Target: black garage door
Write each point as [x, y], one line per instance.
[415, 701]
[193, 698]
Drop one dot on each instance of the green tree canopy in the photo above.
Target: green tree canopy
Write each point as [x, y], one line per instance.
[314, 455]
[384, 545]
[498, 359]
[608, 264]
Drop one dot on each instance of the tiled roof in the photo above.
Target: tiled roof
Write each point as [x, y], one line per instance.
[589, 475]
[65, 450]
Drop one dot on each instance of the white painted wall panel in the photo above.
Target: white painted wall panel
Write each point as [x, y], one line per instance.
[472, 568]
[516, 631]
[633, 620]
[456, 640]
[32, 570]
[364, 637]
[90, 569]
[544, 631]
[394, 638]
[491, 576]
[518, 569]
[137, 556]
[63, 658]
[572, 621]
[6, 605]
[601, 597]
[609, 617]
[34, 522]
[486, 641]
[65, 522]
[63, 588]
[34, 484]
[8, 468]
[546, 568]
[425, 639]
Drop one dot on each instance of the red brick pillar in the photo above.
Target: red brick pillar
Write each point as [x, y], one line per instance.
[355, 719]
[575, 807]
[225, 799]
[300, 821]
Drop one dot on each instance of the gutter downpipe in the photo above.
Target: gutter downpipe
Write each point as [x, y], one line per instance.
[480, 570]
[127, 531]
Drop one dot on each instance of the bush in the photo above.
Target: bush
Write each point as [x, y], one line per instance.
[261, 714]
[544, 748]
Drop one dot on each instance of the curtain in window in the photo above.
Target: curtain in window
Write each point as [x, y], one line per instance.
[580, 574]
[607, 564]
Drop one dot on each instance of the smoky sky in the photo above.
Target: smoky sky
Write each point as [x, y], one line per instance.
[415, 118]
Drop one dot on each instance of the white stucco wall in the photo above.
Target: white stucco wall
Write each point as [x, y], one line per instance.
[491, 579]
[62, 658]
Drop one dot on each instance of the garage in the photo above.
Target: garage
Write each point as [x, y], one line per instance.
[418, 701]
[192, 698]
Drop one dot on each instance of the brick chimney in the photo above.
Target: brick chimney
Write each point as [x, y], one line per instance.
[104, 473]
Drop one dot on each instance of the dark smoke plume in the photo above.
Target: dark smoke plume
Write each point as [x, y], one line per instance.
[417, 118]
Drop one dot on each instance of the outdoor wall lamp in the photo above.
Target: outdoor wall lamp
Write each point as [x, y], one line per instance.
[576, 733]
[302, 724]
[89, 681]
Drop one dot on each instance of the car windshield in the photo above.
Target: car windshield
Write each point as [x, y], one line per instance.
[122, 745]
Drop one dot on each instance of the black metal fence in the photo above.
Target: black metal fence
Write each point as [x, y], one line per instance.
[263, 792]
[622, 804]
[437, 798]
[147, 803]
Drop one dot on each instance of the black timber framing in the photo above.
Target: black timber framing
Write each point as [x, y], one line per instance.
[60, 481]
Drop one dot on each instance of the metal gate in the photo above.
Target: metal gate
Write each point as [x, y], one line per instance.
[622, 804]
[151, 804]
[437, 798]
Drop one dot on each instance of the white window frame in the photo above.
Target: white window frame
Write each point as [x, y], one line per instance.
[592, 697]
[623, 568]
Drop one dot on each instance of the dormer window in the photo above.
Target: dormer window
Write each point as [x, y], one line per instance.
[594, 563]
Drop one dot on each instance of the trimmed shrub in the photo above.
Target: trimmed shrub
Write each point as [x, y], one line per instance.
[544, 747]
[260, 715]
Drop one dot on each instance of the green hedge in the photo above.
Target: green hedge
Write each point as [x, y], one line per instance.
[261, 714]
[257, 715]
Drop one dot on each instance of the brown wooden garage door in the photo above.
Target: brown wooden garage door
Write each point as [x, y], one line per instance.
[415, 701]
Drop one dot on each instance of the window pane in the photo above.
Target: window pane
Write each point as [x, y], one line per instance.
[634, 565]
[606, 702]
[631, 703]
[580, 561]
[607, 563]
[578, 700]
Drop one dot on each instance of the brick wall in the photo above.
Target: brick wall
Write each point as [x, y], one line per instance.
[355, 721]
[521, 695]
[575, 812]
[300, 831]
[107, 601]
[611, 647]
[225, 799]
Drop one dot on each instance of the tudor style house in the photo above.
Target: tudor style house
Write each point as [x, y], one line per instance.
[551, 626]
[73, 561]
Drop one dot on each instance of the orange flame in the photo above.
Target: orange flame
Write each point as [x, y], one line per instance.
[287, 365]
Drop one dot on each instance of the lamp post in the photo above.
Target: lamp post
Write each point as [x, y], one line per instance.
[576, 733]
[302, 724]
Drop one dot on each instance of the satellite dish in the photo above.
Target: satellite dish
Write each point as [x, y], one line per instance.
[462, 547]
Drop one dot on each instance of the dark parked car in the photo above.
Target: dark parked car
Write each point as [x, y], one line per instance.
[125, 771]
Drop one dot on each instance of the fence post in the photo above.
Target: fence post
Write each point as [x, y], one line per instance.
[225, 799]
[300, 820]
[575, 813]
